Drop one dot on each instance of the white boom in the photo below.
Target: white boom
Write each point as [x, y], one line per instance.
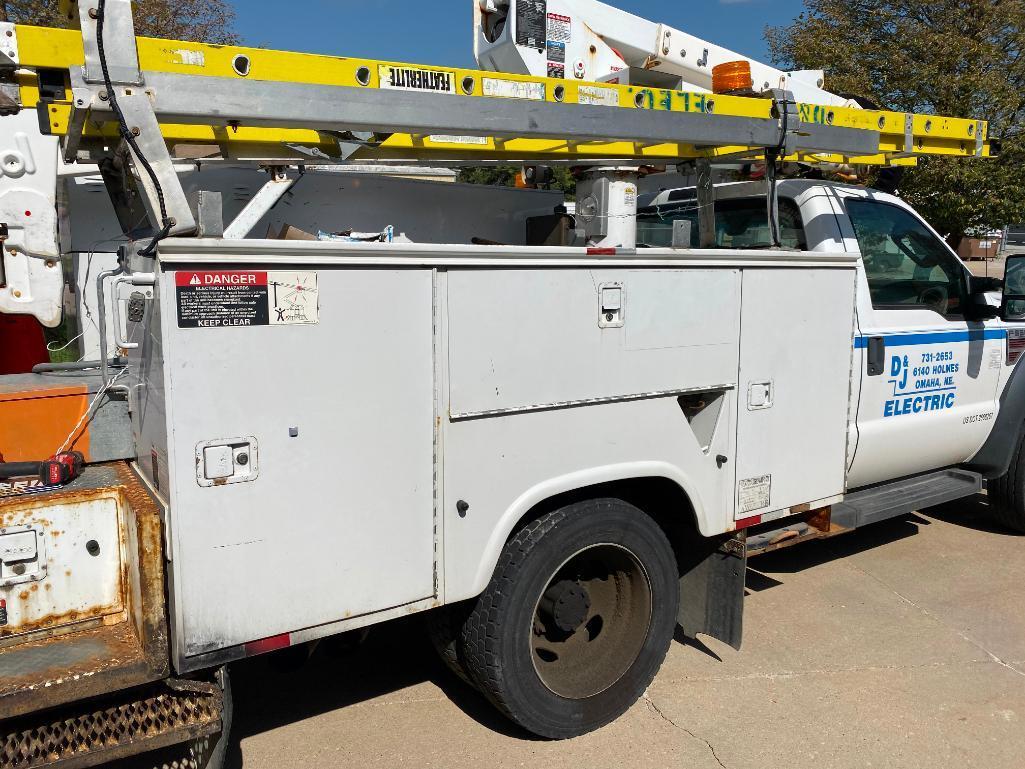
[589, 40]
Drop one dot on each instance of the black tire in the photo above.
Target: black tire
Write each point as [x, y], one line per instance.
[1007, 493]
[564, 675]
[444, 628]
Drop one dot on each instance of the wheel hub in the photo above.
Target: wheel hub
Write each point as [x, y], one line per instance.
[567, 604]
[591, 621]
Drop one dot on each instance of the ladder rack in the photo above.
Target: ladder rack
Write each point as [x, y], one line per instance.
[287, 100]
[275, 107]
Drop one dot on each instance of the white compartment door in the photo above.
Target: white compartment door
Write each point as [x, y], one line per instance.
[795, 361]
[332, 514]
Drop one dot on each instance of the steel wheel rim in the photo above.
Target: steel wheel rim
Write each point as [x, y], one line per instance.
[593, 657]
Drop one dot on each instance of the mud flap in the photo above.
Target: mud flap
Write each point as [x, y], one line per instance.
[712, 582]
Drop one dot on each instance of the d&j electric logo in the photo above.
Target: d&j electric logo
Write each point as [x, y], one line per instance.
[924, 385]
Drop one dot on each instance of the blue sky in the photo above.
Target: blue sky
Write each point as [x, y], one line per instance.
[439, 32]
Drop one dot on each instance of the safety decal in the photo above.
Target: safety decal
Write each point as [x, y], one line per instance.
[189, 58]
[754, 494]
[242, 299]
[556, 52]
[604, 97]
[530, 23]
[560, 28]
[513, 89]
[559, 34]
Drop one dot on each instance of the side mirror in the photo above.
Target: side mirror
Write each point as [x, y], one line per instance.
[981, 305]
[1013, 306]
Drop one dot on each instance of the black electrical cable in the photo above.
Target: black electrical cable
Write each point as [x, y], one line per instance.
[771, 160]
[782, 148]
[128, 136]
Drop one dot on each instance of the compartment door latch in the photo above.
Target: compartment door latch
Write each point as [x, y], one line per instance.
[22, 555]
[221, 462]
[612, 305]
[760, 396]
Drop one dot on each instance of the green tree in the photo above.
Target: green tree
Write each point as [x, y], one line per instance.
[206, 21]
[505, 176]
[962, 58]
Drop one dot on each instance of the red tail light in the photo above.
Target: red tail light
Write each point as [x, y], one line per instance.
[1015, 345]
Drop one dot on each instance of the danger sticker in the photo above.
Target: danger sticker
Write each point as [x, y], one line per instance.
[242, 299]
[560, 28]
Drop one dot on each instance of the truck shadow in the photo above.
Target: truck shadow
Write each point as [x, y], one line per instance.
[395, 656]
[398, 655]
[972, 513]
[808, 555]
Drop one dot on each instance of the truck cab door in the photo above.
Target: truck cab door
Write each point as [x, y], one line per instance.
[924, 388]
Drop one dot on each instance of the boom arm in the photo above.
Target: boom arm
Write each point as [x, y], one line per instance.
[591, 41]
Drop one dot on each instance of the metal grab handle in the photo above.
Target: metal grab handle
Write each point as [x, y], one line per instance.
[139, 279]
[124, 344]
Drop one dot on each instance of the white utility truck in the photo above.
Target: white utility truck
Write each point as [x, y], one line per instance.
[557, 449]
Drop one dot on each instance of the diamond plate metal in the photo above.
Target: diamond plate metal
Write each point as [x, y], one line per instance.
[94, 733]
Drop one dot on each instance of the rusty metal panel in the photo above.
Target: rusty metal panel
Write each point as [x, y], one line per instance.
[64, 562]
[79, 651]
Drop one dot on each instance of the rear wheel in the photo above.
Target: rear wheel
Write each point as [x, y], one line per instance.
[576, 620]
[1007, 493]
[444, 628]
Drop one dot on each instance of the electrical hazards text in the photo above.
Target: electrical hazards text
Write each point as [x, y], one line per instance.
[242, 299]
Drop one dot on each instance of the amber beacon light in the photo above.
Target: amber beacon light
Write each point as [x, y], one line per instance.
[732, 77]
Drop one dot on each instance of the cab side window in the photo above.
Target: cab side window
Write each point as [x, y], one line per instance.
[742, 223]
[907, 265]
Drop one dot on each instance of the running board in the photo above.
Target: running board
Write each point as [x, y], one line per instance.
[864, 507]
[890, 500]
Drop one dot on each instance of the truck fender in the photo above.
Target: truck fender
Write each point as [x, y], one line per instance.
[571, 482]
[994, 458]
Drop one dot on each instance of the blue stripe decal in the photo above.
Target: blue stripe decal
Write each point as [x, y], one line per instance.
[937, 337]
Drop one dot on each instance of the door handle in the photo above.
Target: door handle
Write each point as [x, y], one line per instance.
[876, 356]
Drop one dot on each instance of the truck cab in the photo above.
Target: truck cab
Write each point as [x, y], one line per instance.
[929, 359]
